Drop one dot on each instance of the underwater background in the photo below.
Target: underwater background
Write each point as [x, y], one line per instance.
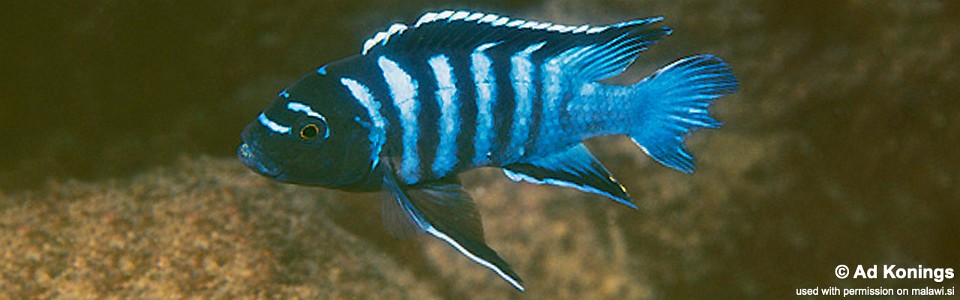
[118, 178]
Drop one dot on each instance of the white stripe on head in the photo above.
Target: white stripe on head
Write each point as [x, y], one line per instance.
[521, 75]
[306, 109]
[433, 231]
[446, 156]
[273, 126]
[378, 134]
[483, 79]
[403, 90]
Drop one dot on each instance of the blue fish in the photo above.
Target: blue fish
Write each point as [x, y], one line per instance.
[460, 90]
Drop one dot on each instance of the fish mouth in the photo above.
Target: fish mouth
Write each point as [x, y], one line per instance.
[251, 158]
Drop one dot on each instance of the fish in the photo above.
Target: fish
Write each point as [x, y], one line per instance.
[460, 90]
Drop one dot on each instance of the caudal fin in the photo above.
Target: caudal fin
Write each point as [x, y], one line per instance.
[679, 97]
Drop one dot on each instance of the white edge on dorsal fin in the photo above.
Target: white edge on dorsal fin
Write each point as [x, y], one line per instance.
[516, 23]
[445, 14]
[529, 24]
[560, 28]
[489, 18]
[396, 28]
[381, 38]
[475, 16]
[426, 18]
[596, 30]
[460, 15]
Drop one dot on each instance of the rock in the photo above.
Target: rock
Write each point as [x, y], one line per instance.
[202, 228]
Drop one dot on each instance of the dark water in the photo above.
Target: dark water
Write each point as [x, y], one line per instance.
[100, 88]
[842, 141]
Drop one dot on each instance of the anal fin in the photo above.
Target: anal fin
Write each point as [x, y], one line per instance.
[574, 167]
[444, 210]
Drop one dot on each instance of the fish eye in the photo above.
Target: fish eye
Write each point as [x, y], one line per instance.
[311, 131]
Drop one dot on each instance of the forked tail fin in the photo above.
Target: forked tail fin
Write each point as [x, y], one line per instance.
[679, 95]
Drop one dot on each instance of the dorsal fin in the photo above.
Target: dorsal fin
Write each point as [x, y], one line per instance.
[593, 52]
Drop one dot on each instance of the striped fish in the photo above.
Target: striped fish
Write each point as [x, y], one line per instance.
[459, 90]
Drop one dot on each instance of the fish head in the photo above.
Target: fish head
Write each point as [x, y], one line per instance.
[313, 133]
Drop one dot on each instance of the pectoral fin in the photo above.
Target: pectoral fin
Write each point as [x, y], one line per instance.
[574, 167]
[398, 216]
[444, 210]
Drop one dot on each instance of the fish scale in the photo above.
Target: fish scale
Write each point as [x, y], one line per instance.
[459, 90]
[509, 145]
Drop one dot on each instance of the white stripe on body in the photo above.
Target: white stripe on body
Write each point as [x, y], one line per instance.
[552, 92]
[378, 133]
[449, 125]
[521, 75]
[403, 90]
[485, 81]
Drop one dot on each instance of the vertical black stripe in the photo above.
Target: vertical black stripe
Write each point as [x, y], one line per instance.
[505, 107]
[429, 115]
[369, 74]
[468, 110]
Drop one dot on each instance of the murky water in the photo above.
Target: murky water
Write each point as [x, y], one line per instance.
[839, 148]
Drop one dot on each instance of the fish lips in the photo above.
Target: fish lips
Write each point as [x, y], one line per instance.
[252, 158]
